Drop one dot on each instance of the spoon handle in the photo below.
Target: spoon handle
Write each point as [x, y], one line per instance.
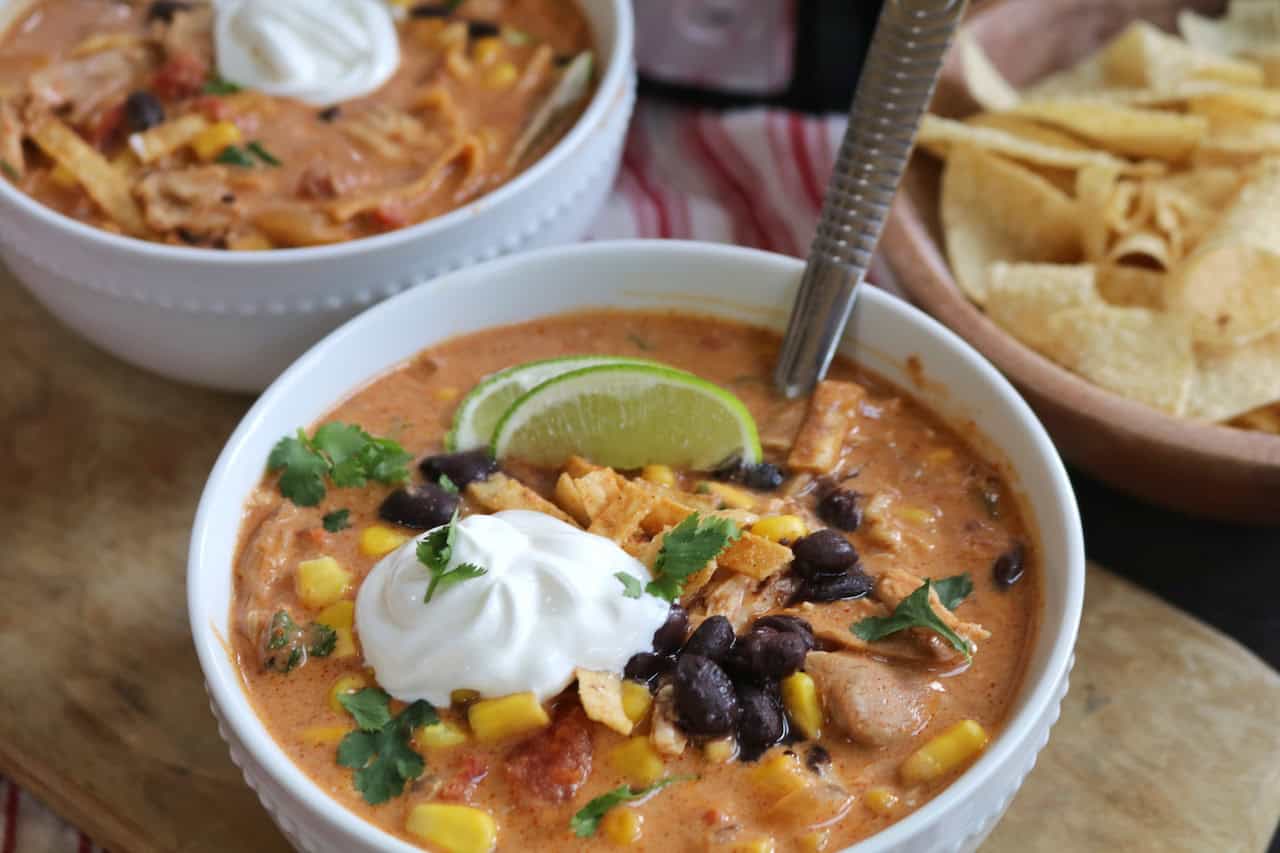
[898, 78]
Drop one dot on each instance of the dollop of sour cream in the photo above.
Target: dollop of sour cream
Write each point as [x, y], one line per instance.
[318, 51]
[547, 603]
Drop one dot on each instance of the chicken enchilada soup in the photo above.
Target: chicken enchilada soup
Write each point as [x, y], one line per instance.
[258, 124]
[589, 582]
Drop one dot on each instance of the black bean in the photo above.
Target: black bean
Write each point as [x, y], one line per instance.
[1008, 568]
[760, 723]
[827, 551]
[143, 110]
[713, 639]
[431, 10]
[823, 588]
[462, 468]
[646, 666]
[705, 699]
[794, 624]
[768, 654]
[421, 507]
[841, 508]
[163, 10]
[763, 476]
[329, 113]
[482, 29]
[668, 639]
[817, 757]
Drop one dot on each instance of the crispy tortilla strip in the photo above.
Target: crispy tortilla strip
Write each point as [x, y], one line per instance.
[1023, 297]
[665, 735]
[1233, 380]
[11, 153]
[164, 139]
[570, 499]
[108, 187]
[832, 410]
[501, 492]
[598, 490]
[995, 210]
[433, 176]
[620, 519]
[100, 42]
[576, 466]
[1130, 131]
[755, 556]
[665, 512]
[601, 697]
[942, 136]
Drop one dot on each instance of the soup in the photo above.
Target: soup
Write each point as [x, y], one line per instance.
[804, 687]
[117, 114]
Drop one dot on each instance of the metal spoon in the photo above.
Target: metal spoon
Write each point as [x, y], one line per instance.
[898, 78]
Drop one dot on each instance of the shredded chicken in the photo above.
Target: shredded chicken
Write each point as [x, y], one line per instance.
[198, 202]
[874, 703]
[85, 85]
[665, 735]
[190, 32]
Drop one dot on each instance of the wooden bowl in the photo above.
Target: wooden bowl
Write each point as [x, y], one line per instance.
[1198, 468]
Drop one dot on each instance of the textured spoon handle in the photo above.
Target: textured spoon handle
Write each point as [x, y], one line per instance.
[897, 81]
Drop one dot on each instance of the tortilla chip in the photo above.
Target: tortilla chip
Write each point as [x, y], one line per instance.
[986, 85]
[1143, 56]
[1022, 297]
[754, 556]
[1024, 128]
[940, 136]
[1266, 419]
[995, 210]
[601, 696]
[1139, 354]
[1130, 131]
[1143, 248]
[1239, 147]
[1250, 27]
[1132, 287]
[1229, 287]
[1102, 208]
[1233, 380]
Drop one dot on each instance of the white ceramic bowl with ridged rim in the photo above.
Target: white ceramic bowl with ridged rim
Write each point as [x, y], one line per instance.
[234, 320]
[742, 284]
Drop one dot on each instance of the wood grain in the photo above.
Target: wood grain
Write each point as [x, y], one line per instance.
[1198, 468]
[1170, 736]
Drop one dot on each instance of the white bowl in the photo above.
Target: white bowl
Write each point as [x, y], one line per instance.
[735, 283]
[234, 320]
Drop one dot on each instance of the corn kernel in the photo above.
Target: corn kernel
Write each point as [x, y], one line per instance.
[345, 644]
[321, 582]
[487, 50]
[804, 709]
[945, 753]
[941, 456]
[64, 177]
[780, 528]
[918, 516]
[636, 700]
[517, 714]
[378, 540]
[344, 685]
[453, 828]
[880, 800]
[340, 614]
[813, 842]
[501, 76]
[622, 826]
[730, 496]
[441, 735]
[214, 139]
[661, 475]
[464, 697]
[721, 750]
[637, 761]
[324, 735]
[779, 774]
[447, 393]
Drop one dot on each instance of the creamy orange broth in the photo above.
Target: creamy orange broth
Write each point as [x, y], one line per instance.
[457, 101]
[931, 465]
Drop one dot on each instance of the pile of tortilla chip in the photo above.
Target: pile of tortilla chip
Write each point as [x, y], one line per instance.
[1122, 217]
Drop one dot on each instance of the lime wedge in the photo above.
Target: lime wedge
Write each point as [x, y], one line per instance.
[626, 416]
[480, 411]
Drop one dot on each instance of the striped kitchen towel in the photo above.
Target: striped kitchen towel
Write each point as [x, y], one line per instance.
[752, 177]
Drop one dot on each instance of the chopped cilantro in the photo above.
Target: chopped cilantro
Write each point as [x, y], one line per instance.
[321, 640]
[339, 519]
[448, 485]
[587, 820]
[347, 454]
[234, 155]
[380, 750]
[631, 586]
[953, 590]
[688, 547]
[289, 643]
[452, 5]
[9, 170]
[216, 85]
[435, 551]
[640, 342]
[256, 149]
[914, 611]
[514, 37]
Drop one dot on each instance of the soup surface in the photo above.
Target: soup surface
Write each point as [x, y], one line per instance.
[114, 113]
[872, 728]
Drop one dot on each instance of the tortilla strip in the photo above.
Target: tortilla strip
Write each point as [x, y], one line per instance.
[164, 139]
[601, 697]
[108, 187]
[621, 518]
[346, 209]
[831, 412]
[501, 492]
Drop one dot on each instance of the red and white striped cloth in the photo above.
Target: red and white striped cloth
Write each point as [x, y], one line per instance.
[751, 177]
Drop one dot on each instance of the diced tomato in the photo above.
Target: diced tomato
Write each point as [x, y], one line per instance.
[315, 535]
[554, 763]
[389, 216]
[472, 768]
[181, 76]
[103, 126]
[212, 107]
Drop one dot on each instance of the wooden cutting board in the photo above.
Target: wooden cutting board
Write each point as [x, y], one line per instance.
[1169, 738]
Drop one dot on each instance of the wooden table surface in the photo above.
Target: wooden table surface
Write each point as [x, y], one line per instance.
[1169, 738]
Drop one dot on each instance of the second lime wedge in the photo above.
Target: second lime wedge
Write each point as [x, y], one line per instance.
[627, 416]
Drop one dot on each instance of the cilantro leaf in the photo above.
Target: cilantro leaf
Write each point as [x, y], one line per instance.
[257, 150]
[216, 85]
[303, 479]
[10, 171]
[288, 644]
[233, 155]
[435, 551]
[380, 750]
[587, 820]
[688, 547]
[321, 640]
[631, 586]
[914, 611]
[953, 590]
[448, 485]
[339, 519]
[346, 453]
